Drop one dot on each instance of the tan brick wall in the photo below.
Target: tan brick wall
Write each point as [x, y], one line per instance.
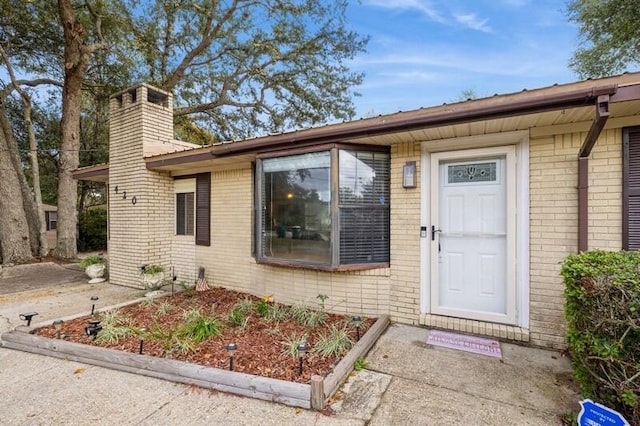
[144, 232]
[139, 233]
[404, 295]
[229, 261]
[554, 220]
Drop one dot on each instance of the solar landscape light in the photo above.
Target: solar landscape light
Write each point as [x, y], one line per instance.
[57, 324]
[231, 349]
[141, 332]
[93, 305]
[93, 328]
[302, 350]
[174, 277]
[357, 321]
[27, 316]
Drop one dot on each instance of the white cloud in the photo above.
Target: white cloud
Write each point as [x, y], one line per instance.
[471, 20]
[430, 62]
[422, 6]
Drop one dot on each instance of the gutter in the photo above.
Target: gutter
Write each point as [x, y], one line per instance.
[602, 115]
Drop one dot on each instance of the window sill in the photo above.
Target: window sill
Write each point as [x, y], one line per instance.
[322, 267]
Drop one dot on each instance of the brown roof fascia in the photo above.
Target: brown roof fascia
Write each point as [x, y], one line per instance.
[483, 109]
[626, 93]
[421, 119]
[85, 173]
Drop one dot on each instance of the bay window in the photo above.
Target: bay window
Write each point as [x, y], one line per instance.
[328, 209]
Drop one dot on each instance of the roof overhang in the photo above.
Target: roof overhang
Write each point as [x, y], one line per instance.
[97, 173]
[552, 106]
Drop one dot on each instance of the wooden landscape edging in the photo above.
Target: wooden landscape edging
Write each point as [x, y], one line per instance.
[289, 393]
[302, 395]
[323, 388]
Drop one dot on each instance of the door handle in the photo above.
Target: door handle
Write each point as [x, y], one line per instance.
[433, 232]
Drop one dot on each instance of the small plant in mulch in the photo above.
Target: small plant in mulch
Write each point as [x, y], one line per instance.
[308, 317]
[148, 301]
[278, 312]
[196, 327]
[291, 343]
[263, 308]
[115, 327]
[199, 327]
[322, 298]
[237, 317]
[164, 308]
[336, 342]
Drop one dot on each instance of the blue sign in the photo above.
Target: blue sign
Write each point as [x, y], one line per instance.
[594, 414]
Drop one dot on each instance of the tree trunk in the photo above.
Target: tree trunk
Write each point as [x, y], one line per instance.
[14, 229]
[26, 198]
[76, 61]
[69, 159]
[34, 211]
[35, 171]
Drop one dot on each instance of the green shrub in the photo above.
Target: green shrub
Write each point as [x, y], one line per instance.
[92, 230]
[602, 291]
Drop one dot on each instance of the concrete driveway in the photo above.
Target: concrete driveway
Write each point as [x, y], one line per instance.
[406, 382]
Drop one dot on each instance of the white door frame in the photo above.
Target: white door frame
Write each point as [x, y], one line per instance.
[467, 147]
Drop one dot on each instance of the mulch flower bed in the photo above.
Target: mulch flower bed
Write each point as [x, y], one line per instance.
[264, 332]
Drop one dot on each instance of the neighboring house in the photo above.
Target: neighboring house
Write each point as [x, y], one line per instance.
[456, 216]
[51, 220]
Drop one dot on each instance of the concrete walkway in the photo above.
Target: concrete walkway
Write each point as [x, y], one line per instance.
[406, 382]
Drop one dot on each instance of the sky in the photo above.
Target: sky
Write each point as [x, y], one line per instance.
[426, 52]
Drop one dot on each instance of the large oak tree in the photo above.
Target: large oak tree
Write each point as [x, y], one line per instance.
[609, 36]
[237, 67]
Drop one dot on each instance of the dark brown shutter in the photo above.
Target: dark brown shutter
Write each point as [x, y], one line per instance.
[631, 188]
[203, 209]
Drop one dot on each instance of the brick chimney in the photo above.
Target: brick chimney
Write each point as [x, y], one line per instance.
[140, 200]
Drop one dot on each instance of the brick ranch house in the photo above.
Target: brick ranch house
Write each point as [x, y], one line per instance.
[455, 216]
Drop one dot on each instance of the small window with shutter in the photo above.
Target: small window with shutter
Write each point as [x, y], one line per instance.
[184, 213]
[631, 188]
[193, 207]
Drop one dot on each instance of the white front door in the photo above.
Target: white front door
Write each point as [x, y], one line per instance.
[473, 234]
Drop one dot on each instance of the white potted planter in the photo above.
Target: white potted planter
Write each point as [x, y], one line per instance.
[96, 272]
[95, 268]
[152, 276]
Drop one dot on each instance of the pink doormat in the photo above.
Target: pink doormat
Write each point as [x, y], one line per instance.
[476, 345]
